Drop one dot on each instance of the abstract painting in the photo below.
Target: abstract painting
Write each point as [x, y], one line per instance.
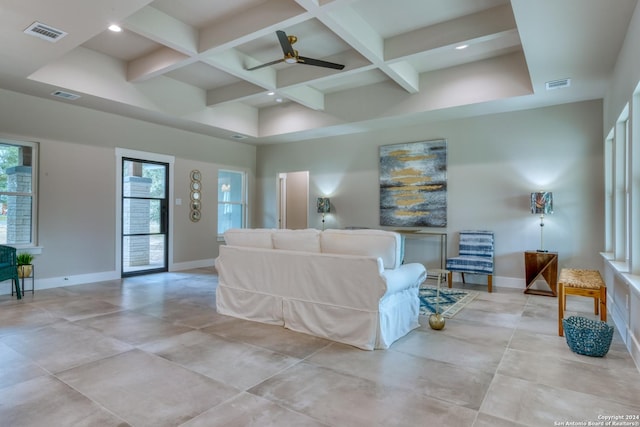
[413, 184]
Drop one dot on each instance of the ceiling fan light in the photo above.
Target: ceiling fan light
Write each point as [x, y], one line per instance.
[290, 60]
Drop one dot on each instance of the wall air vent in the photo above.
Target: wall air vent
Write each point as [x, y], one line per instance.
[238, 136]
[45, 32]
[558, 84]
[65, 95]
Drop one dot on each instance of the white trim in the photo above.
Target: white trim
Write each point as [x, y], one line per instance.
[201, 263]
[625, 318]
[154, 157]
[35, 176]
[245, 195]
[82, 279]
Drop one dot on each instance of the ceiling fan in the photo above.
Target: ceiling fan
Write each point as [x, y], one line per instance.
[291, 55]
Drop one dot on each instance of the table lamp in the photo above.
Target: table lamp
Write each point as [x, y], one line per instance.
[541, 204]
[324, 207]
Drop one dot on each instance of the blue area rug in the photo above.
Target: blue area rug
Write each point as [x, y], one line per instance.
[451, 300]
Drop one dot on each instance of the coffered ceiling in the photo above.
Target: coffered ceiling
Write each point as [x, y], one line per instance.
[185, 63]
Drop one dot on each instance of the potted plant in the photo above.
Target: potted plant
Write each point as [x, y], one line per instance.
[24, 260]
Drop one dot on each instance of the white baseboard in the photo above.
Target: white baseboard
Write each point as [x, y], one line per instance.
[509, 282]
[498, 281]
[81, 279]
[190, 265]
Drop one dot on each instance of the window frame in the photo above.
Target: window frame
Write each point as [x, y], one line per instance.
[35, 155]
[243, 203]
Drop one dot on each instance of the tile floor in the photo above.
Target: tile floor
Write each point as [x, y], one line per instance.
[152, 351]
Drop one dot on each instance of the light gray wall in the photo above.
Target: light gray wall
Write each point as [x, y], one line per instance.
[625, 76]
[494, 163]
[77, 217]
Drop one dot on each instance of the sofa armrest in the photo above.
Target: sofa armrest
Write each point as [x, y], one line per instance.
[404, 277]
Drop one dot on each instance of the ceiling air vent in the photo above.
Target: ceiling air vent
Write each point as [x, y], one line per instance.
[45, 32]
[65, 95]
[558, 84]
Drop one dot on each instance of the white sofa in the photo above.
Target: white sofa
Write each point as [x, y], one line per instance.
[348, 286]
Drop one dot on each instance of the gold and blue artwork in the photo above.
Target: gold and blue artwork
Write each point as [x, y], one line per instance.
[413, 184]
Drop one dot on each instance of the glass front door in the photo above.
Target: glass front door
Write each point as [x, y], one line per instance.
[145, 217]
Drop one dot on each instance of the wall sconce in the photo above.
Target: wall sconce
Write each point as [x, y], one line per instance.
[324, 206]
[541, 204]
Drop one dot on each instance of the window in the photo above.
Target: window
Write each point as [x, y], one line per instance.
[231, 200]
[18, 163]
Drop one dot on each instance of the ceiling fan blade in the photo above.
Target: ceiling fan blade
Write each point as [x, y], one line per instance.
[277, 61]
[319, 63]
[286, 44]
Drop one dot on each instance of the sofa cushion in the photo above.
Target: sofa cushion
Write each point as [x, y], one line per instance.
[297, 240]
[249, 237]
[376, 243]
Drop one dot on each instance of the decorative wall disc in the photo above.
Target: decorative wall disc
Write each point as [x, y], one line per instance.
[196, 188]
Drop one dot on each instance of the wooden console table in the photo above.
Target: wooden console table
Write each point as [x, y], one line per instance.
[541, 265]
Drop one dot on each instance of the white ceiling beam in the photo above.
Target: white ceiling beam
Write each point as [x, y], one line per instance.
[233, 93]
[300, 74]
[254, 23]
[407, 74]
[480, 26]
[235, 63]
[156, 63]
[164, 29]
[350, 26]
[305, 95]
[178, 39]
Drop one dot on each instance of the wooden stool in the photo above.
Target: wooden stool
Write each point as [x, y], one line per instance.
[584, 283]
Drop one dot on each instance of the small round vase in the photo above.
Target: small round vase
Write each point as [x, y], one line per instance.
[436, 321]
[24, 270]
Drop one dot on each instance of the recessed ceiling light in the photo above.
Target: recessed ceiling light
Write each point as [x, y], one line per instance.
[462, 46]
[278, 99]
[115, 28]
[271, 93]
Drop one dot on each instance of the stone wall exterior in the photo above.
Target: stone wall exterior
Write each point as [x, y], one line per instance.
[19, 207]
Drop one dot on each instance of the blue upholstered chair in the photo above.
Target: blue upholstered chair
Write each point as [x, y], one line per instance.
[475, 256]
[9, 268]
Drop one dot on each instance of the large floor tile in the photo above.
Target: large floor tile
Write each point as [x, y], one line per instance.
[234, 363]
[276, 338]
[133, 328]
[479, 333]
[339, 399]
[76, 308]
[22, 317]
[181, 312]
[490, 318]
[441, 380]
[15, 368]
[166, 358]
[555, 346]
[45, 401]
[609, 384]
[440, 346]
[247, 410]
[535, 404]
[63, 345]
[146, 390]
[484, 420]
